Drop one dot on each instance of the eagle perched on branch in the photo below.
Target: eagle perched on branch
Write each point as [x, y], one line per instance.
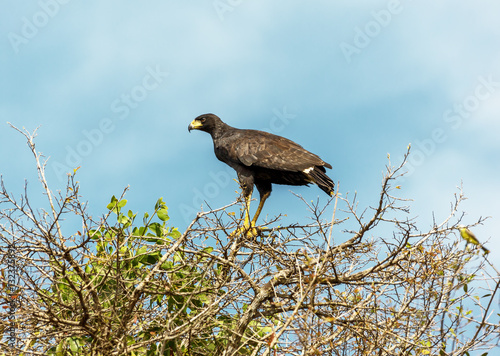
[261, 159]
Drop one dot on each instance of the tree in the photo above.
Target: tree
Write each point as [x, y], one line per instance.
[368, 282]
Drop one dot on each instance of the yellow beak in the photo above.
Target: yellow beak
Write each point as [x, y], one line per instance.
[195, 125]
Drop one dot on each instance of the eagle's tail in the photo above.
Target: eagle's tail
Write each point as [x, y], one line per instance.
[319, 177]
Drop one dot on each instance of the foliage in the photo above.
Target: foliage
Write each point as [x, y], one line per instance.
[367, 283]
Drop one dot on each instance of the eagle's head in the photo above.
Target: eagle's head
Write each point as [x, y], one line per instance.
[205, 122]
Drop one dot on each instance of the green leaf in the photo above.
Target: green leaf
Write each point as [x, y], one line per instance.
[160, 204]
[167, 265]
[94, 234]
[72, 345]
[203, 298]
[265, 330]
[139, 231]
[123, 219]
[151, 259]
[178, 256]
[112, 204]
[163, 214]
[60, 349]
[122, 203]
[174, 233]
[157, 229]
[116, 205]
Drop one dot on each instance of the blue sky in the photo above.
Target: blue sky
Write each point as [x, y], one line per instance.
[113, 86]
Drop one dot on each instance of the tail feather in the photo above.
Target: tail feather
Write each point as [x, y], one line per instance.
[319, 177]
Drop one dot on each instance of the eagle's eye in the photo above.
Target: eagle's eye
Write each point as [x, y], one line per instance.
[202, 120]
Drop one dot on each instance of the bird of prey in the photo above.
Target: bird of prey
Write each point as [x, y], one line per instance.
[468, 236]
[261, 158]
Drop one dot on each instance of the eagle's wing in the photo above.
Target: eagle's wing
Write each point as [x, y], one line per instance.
[262, 149]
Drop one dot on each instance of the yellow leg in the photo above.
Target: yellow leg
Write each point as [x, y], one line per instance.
[246, 222]
[248, 227]
[259, 209]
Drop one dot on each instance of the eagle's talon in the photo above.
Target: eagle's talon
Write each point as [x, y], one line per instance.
[248, 231]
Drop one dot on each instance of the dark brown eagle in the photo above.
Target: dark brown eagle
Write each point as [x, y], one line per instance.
[260, 158]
